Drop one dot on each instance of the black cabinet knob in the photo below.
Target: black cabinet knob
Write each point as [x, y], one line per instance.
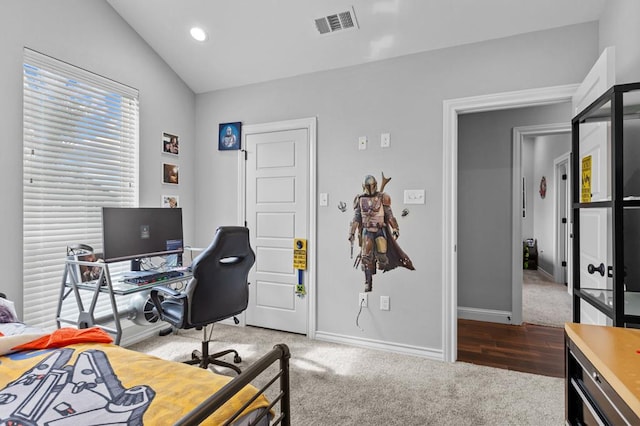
[592, 269]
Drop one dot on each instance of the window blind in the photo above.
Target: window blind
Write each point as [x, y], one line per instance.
[80, 139]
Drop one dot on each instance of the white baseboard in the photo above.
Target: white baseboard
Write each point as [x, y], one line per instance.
[487, 315]
[546, 274]
[435, 354]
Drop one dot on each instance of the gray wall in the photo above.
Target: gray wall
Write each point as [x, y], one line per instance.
[90, 35]
[402, 96]
[619, 26]
[485, 163]
[528, 221]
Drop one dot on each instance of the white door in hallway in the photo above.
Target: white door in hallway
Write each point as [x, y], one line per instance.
[595, 223]
[277, 204]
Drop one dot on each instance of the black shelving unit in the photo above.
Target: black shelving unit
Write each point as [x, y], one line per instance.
[619, 110]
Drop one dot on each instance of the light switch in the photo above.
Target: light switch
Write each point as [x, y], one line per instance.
[385, 140]
[362, 142]
[324, 199]
[414, 196]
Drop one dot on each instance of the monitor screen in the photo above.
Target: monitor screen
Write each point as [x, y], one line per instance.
[135, 233]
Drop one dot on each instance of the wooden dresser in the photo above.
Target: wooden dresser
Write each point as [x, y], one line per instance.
[602, 375]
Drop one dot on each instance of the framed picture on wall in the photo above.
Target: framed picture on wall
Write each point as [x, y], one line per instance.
[170, 201]
[170, 144]
[229, 136]
[170, 173]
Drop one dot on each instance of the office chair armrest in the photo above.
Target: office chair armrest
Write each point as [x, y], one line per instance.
[168, 291]
[162, 295]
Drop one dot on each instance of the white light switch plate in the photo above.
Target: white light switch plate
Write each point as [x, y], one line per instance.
[414, 196]
[324, 199]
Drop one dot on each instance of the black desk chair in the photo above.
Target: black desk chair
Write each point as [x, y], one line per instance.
[217, 291]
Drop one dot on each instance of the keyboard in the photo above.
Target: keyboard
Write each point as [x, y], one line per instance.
[156, 277]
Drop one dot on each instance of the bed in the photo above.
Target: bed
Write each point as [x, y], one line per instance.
[87, 381]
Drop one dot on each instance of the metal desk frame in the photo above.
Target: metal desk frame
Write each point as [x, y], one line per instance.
[72, 285]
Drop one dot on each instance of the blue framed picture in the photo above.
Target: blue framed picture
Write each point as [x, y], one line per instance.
[229, 136]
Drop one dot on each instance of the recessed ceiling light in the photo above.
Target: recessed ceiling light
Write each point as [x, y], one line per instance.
[198, 34]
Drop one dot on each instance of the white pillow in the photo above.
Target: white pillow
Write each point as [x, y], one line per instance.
[7, 311]
[9, 342]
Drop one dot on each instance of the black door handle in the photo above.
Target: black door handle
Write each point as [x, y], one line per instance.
[591, 269]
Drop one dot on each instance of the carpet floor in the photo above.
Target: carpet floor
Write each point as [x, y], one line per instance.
[544, 302]
[334, 384]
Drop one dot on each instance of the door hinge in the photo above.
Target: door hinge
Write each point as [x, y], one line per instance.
[564, 220]
[564, 263]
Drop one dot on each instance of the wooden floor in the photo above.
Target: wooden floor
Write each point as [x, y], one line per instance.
[529, 348]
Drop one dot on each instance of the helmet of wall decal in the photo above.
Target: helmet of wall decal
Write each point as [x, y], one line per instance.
[370, 185]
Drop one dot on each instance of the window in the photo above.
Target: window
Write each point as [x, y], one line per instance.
[80, 153]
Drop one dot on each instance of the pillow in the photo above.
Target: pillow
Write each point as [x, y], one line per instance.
[8, 343]
[7, 311]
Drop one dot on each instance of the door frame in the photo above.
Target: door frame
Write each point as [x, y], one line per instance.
[310, 124]
[451, 109]
[519, 135]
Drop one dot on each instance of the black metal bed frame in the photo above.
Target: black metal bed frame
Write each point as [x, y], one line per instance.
[280, 354]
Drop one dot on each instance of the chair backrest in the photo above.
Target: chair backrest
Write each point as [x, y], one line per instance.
[219, 288]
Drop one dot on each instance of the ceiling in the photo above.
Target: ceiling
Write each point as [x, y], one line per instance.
[252, 41]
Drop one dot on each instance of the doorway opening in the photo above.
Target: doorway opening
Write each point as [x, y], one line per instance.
[541, 163]
[452, 108]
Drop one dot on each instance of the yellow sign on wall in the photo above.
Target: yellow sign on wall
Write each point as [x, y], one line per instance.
[585, 196]
[299, 253]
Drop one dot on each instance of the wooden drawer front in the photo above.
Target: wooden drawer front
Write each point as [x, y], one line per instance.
[595, 391]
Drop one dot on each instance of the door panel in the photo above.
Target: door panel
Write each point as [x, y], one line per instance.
[277, 200]
[595, 223]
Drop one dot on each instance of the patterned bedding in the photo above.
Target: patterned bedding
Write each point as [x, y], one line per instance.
[100, 383]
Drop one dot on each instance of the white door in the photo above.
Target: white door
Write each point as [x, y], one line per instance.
[277, 212]
[595, 223]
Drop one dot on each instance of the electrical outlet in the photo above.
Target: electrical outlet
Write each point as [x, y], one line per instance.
[384, 303]
[362, 300]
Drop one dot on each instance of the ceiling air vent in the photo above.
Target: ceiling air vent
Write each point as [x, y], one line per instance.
[336, 22]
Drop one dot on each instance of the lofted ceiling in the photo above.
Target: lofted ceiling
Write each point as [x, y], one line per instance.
[251, 41]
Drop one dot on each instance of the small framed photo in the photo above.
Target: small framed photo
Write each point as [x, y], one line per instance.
[170, 144]
[229, 136]
[90, 272]
[170, 173]
[170, 201]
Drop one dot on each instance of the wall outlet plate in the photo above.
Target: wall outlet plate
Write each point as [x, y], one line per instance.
[362, 142]
[385, 140]
[362, 300]
[384, 303]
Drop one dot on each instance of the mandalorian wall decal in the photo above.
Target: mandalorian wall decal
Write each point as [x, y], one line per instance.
[377, 231]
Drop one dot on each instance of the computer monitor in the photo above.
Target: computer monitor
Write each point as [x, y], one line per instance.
[135, 233]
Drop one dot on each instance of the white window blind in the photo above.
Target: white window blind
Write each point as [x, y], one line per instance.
[80, 153]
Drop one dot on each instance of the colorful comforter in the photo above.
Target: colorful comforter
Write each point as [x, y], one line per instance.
[101, 383]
